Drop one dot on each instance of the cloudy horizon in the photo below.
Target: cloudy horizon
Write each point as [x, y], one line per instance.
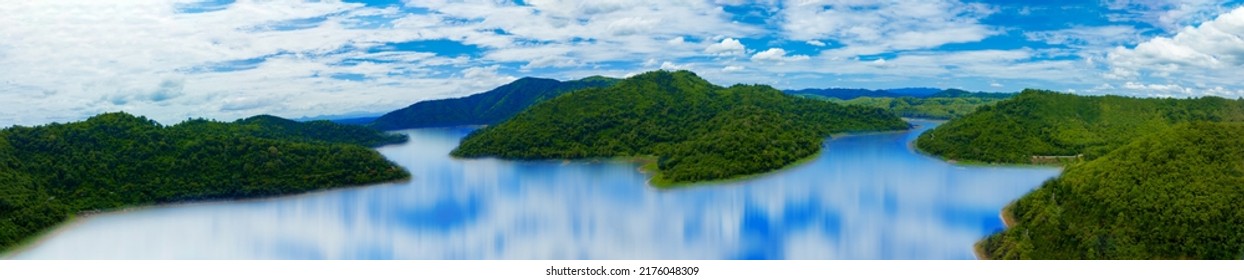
[223, 59]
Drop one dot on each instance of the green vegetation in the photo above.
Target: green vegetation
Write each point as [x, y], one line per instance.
[1044, 123]
[488, 107]
[1174, 193]
[48, 173]
[852, 93]
[265, 126]
[1146, 178]
[698, 131]
[948, 104]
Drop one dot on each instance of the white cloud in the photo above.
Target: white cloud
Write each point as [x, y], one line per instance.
[1176, 90]
[141, 57]
[1170, 15]
[486, 76]
[672, 66]
[727, 46]
[870, 27]
[589, 32]
[777, 55]
[1088, 36]
[650, 62]
[1210, 55]
[64, 60]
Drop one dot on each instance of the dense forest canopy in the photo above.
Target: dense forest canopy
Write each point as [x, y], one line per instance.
[1175, 193]
[1045, 123]
[698, 131]
[488, 107]
[48, 173]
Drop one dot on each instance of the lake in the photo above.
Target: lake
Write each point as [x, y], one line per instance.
[867, 196]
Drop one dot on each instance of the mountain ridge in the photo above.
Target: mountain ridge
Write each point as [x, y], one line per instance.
[487, 107]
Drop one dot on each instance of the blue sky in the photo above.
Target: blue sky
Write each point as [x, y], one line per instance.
[225, 59]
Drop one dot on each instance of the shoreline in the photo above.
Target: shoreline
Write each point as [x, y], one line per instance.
[972, 163]
[77, 219]
[1005, 215]
[42, 237]
[978, 248]
[979, 252]
[663, 185]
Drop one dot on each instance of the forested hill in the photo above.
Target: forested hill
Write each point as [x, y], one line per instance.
[489, 107]
[50, 172]
[1045, 123]
[852, 93]
[698, 131]
[266, 126]
[1175, 193]
[946, 104]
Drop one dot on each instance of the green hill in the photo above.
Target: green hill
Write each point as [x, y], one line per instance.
[947, 104]
[266, 126]
[49, 173]
[488, 107]
[697, 131]
[1172, 194]
[1044, 123]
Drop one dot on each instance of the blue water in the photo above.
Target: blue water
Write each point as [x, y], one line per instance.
[866, 197]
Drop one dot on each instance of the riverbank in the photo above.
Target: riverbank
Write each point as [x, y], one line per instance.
[1008, 220]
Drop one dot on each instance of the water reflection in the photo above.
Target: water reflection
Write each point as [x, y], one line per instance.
[867, 197]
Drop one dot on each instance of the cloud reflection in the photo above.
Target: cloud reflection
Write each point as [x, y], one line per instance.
[866, 197]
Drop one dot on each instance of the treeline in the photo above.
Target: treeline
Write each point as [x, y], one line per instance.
[1045, 123]
[698, 131]
[1174, 193]
[48, 173]
[488, 107]
[271, 127]
[943, 105]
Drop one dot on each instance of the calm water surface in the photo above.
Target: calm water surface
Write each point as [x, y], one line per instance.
[866, 197]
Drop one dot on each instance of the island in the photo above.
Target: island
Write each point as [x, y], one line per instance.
[484, 108]
[50, 173]
[1039, 126]
[687, 129]
[1174, 193]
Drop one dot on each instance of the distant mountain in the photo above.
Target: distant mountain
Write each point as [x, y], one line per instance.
[352, 118]
[488, 107]
[914, 91]
[955, 93]
[840, 93]
[943, 104]
[852, 93]
[696, 131]
[355, 121]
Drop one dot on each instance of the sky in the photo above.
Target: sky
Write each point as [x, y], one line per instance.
[226, 59]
